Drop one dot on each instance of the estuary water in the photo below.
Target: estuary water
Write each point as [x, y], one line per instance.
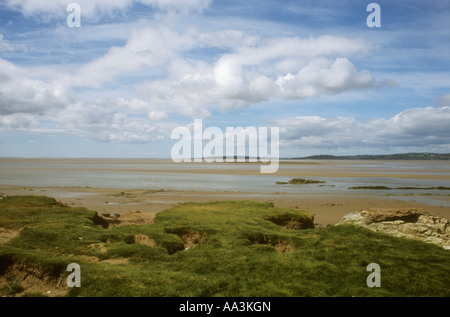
[338, 176]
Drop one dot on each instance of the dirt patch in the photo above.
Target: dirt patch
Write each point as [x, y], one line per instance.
[83, 257]
[99, 247]
[19, 280]
[278, 243]
[284, 246]
[7, 234]
[143, 239]
[99, 221]
[131, 218]
[293, 222]
[116, 261]
[134, 218]
[191, 238]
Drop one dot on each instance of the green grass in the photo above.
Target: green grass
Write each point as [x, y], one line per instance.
[13, 287]
[236, 249]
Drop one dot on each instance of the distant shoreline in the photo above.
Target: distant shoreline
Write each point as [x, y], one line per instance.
[388, 157]
[362, 157]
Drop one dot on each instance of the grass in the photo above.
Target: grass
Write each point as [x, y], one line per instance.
[300, 181]
[243, 249]
[13, 287]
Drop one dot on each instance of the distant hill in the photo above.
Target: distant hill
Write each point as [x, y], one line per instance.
[406, 156]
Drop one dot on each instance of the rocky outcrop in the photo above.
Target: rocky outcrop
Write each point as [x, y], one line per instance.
[404, 223]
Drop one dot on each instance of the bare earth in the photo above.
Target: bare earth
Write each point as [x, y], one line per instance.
[327, 209]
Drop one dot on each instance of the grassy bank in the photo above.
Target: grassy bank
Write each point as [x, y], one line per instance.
[210, 249]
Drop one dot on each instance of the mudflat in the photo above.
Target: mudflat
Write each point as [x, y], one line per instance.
[327, 204]
[327, 209]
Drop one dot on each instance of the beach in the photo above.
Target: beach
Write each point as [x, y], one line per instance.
[125, 224]
[151, 186]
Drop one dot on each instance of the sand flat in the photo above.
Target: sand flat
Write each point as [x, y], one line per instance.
[327, 209]
[327, 206]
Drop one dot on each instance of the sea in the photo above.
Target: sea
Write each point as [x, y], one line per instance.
[338, 177]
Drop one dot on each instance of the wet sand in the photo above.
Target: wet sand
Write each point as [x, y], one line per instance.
[439, 170]
[327, 209]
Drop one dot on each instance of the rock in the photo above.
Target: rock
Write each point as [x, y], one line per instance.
[404, 223]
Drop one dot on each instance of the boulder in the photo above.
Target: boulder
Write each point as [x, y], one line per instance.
[404, 223]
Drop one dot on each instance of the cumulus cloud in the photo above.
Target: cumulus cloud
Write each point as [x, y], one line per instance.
[286, 68]
[415, 127]
[113, 120]
[20, 93]
[179, 75]
[18, 122]
[249, 69]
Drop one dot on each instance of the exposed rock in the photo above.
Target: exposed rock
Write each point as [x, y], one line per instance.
[404, 223]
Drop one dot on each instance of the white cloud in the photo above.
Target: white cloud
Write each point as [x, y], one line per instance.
[18, 122]
[91, 9]
[323, 77]
[443, 100]
[249, 70]
[116, 120]
[6, 46]
[145, 49]
[415, 128]
[20, 93]
[287, 68]
[177, 5]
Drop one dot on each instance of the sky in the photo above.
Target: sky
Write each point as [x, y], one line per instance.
[135, 70]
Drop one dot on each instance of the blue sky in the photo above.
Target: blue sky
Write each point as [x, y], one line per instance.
[136, 69]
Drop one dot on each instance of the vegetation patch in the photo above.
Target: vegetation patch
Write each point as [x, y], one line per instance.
[293, 221]
[301, 181]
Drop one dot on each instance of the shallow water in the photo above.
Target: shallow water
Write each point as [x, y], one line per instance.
[235, 177]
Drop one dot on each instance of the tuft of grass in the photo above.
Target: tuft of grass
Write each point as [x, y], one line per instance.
[13, 287]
